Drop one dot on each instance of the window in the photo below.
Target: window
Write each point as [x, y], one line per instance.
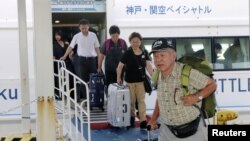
[234, 53]
[194, 47]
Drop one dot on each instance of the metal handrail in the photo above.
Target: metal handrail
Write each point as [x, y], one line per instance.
[72, 111]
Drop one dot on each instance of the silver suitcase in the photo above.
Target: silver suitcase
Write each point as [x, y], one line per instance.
[118, 105]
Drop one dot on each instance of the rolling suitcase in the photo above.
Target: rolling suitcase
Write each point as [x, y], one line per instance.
[118, 105]
[96, 91]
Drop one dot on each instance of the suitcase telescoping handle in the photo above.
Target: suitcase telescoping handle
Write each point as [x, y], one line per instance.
[119, 86]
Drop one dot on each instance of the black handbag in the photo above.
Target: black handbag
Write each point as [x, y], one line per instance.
[147, 84]
[146, 79]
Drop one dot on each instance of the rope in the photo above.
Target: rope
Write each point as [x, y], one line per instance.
[17, 107]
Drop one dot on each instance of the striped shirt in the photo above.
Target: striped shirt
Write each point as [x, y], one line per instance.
[172, 110]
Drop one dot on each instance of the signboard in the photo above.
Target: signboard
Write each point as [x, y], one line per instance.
[179, 18]
[77, 6]
[175, 12]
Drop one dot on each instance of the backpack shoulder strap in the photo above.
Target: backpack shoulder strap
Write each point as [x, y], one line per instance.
[122, 42]
[185, 73]
[155, 77]
[107, 45]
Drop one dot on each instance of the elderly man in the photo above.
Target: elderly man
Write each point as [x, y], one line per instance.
[179, 118]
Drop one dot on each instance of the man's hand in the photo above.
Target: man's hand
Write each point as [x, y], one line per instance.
[63, 58]
[99, 70]
[119, 81]
[153, 125]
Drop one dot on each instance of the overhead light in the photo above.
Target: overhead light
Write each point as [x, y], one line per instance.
[57, 21]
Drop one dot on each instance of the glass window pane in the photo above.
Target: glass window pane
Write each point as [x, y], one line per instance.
[200, 47]
[234, 53]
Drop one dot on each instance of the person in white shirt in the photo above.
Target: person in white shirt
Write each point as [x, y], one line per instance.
[87, 51]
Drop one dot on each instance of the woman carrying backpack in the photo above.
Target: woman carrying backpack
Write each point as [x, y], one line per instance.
[112, 49]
